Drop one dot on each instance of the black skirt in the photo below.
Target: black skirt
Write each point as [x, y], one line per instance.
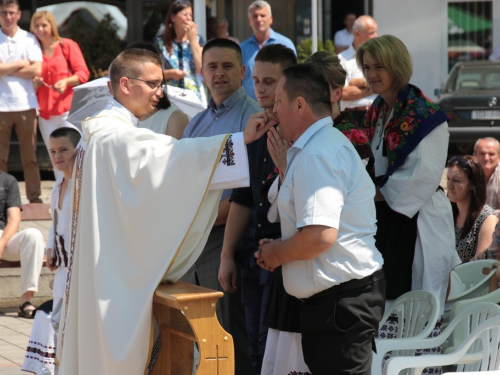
[395, 239]
[283, 310]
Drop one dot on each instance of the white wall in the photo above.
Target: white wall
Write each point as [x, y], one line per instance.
[422, 26]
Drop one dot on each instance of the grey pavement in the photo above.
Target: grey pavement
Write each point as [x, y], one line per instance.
[15, 331]
[14, 336]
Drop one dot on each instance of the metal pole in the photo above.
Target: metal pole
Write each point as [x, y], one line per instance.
[314, 25]
[200, 17]
[134, 20]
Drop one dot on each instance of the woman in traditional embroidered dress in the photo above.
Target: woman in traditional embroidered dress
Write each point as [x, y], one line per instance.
[474, 220]
[180, 47]
[63, 67]
[409, 139]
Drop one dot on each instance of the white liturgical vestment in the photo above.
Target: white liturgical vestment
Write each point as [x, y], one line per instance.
[143, 205]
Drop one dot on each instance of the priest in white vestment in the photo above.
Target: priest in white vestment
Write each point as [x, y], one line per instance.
[143, 206]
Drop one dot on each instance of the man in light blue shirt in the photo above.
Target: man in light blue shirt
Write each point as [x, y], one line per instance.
[260, 20]
[228, 112]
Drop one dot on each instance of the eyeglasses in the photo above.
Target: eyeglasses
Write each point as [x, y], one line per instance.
[152, 85]
[460, 161]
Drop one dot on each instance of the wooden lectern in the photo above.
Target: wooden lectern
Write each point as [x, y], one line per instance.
[186, 314]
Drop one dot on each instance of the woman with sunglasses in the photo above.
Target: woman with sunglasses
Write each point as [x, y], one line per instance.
[63, 67]
[474, 220]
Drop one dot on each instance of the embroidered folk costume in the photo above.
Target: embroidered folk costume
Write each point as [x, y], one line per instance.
[415, 223]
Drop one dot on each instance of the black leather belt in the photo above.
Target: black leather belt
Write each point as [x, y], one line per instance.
[348, 285]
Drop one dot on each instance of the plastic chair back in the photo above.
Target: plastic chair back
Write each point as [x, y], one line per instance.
[478, 352]
[417, 312]
[468, 280]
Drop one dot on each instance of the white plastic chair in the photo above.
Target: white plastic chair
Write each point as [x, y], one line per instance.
[480, 352]
[457, 337]
[467, 280]
[418, 312]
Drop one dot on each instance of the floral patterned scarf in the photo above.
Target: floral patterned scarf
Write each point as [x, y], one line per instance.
[414, 117]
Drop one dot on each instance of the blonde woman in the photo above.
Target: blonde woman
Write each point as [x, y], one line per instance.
[409, 140]
[63, 67]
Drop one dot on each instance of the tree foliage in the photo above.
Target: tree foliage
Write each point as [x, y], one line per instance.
[99, 46]
[304, 49]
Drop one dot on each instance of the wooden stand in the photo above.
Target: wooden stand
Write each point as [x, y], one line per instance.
[185, 314]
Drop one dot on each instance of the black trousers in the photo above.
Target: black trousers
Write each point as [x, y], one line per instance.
[338, 329]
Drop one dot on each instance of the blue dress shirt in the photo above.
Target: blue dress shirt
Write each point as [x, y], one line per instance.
[250, 48]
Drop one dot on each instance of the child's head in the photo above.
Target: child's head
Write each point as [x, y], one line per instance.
[62, 145]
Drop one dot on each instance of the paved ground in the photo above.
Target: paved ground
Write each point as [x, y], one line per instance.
[14, 331]
[14, 336]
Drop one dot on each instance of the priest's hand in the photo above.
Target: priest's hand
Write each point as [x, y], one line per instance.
[258, 123]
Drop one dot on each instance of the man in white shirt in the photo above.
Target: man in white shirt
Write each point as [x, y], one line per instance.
[344, 38]
[327, 212]
[20, 60]
[487, 152]
[357, 97]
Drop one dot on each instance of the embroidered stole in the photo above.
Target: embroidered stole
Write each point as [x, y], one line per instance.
[413, 118]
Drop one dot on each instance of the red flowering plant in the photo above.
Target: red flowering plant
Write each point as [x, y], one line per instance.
[356, 136]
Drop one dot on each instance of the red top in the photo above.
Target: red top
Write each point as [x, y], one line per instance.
[54, 69]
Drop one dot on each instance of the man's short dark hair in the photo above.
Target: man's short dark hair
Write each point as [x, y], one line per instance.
[277, 54]
[8, 3]
[308, 81]
[129, 64]
[66, 132]
[164, 102]
[223, 43]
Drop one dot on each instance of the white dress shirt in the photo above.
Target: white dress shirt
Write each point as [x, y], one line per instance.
[327, 184]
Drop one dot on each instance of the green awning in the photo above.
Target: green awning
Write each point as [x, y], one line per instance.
[466, 21]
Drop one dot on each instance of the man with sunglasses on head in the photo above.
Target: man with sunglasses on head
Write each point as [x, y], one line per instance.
[20, 61]
[143, 207]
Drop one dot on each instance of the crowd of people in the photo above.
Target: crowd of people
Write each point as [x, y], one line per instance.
[314, 193]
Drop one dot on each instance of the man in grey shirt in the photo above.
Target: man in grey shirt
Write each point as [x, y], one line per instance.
[228, 112]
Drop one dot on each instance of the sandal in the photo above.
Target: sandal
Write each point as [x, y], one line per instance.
[24, 312]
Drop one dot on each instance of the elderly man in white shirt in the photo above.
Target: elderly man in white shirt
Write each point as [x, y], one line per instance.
[327, 211]
[356, 96]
